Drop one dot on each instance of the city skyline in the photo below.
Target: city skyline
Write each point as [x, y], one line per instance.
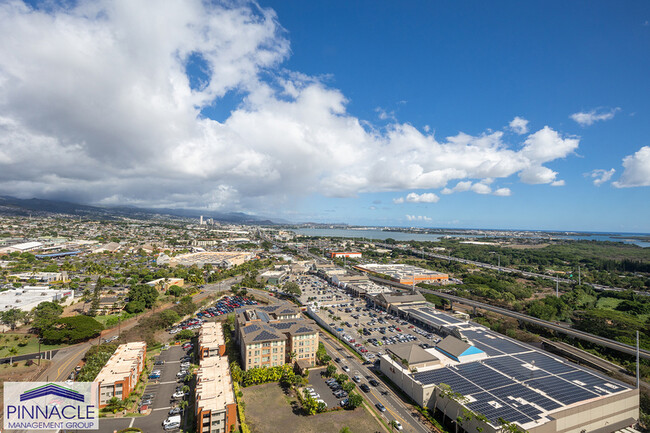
[506, 115]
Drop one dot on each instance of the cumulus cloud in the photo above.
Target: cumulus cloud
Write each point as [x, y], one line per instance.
[586, 118]
[427, 197]
[601, 176]
[96, 105]
[481, 188]
[519, 125]
[418, 218]
[502, 192]
[636, 169]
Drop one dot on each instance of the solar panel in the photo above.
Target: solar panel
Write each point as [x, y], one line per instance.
[546, 362]
[514, 367]
[265, 335]
[483, 376]
[506, 346]
[494, 408]
[303, 330]
[251, 328]
[592, 382]
[561, 390]
[282, 325]
[446, 375]
[513, 393]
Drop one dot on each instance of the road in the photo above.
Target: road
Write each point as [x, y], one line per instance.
[395, 408]
[421, 253]
[606, 342]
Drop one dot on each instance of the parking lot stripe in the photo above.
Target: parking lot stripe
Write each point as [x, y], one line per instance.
[161, 408]
[165, 383]
[132, 421]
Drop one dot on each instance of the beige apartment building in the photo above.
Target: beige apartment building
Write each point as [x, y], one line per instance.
[274, 335]
[121, 372]
[216, 407]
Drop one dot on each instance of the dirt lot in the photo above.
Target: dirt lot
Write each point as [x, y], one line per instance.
[269, 410]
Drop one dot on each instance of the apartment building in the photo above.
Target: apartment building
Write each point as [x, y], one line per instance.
[120, 374]
[216, 407]
[211, 341]
[273, 335]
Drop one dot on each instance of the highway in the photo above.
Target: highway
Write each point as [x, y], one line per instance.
[606, 342]
[395, 408]
[421, 253]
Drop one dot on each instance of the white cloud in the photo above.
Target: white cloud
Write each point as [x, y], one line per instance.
[636, 169]
[537, 175]
[427, 197]
[558, 183]
[502, 192]
[586, 118]
[418, 218]
[519, 125]
[481, 188]
[96, 105]
[601, 176]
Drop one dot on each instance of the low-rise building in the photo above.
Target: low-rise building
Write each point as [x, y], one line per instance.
[273, 335]
[120, 374]
[405, 274]
[341, 254]
[391, 302]
[28, 297]
[42, 277]
[211, 340]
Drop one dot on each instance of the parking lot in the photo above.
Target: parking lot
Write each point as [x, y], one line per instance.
[359, 324]
[161, 391]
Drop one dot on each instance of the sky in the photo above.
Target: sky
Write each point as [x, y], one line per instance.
[506, 114]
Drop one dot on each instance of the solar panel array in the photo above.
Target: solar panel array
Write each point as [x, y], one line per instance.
[517, 382]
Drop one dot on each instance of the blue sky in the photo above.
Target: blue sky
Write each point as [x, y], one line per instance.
[475, 68]
[529, 115]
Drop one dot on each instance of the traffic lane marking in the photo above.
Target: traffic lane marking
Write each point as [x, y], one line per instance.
[65, 365]
[378, 399]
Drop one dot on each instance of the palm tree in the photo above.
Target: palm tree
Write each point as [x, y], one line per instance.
[13, 352]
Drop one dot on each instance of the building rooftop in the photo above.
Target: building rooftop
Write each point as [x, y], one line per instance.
[413, 354]
[125, 358]
[514, 381]
[214, 390]
[211, 335]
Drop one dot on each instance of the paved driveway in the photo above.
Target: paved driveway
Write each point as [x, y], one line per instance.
[317, 382]
[162, 402]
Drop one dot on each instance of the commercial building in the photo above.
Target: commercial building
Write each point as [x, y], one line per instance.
[504, 379]
[341, 254]
[405, 274]
[42, 277]
[391, 302]
[21, 248]
[222, 259]
[276, 334]
[28, 297]
[120, 374]
[216, 407]
[273, 277]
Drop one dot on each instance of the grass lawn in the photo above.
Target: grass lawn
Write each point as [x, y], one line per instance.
[608, 303]
[268, 410]
[7, 341]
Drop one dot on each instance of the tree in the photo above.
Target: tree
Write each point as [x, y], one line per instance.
[175, 291]
[393, 424]
[13, 351]
[185, 334]
[354, 400]
[12, 316]
[45, 314]
[348, 387]
[345, 430]
[331, 369]
[115, 404]
[292, 288]
[72, 330]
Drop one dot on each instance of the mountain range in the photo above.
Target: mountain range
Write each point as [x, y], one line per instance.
[12, 206]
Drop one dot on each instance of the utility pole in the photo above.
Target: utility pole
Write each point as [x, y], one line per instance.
[578, 274]
[638, 380]
[557, 286]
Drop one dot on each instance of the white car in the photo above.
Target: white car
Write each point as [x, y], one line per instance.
[176, 419]
[346, 368]
[397, 425]
[178, 394]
